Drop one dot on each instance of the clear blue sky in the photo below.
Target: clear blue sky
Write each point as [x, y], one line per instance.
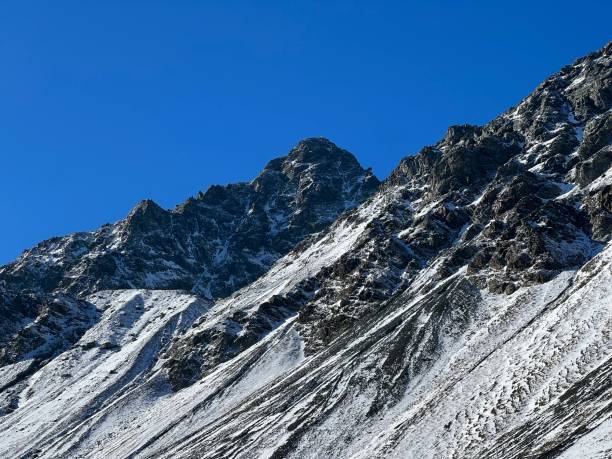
[103, 103]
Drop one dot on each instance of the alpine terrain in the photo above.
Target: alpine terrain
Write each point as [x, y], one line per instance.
[462, 308]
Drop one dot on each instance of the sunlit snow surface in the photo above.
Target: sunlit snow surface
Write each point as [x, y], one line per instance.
[516, 361]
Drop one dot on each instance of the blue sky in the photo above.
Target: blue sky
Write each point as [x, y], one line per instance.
[106, 103]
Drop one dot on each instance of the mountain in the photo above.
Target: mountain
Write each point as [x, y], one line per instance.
[211, 245]
[239, 229]
[463, 309]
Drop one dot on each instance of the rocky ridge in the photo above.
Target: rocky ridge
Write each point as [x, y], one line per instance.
[463, 310]
[508, 200]
[211, 245]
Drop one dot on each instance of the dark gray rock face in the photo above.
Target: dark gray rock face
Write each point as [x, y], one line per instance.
[60, 321]
[212, 244]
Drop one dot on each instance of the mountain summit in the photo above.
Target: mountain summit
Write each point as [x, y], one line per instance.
[211, 245]
[459, 309]
[240, 228]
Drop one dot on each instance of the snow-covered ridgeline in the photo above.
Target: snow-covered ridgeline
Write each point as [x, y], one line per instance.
[462, 311]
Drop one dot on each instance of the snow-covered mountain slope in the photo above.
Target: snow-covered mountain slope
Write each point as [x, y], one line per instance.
[110, 358]
[463, 311]
[447, 371]
[456, 372]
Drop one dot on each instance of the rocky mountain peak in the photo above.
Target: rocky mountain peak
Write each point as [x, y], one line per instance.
[147, 214]
[316, 144]
[316, 151]
[212, 244]
[316, 156]
[239, 229]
